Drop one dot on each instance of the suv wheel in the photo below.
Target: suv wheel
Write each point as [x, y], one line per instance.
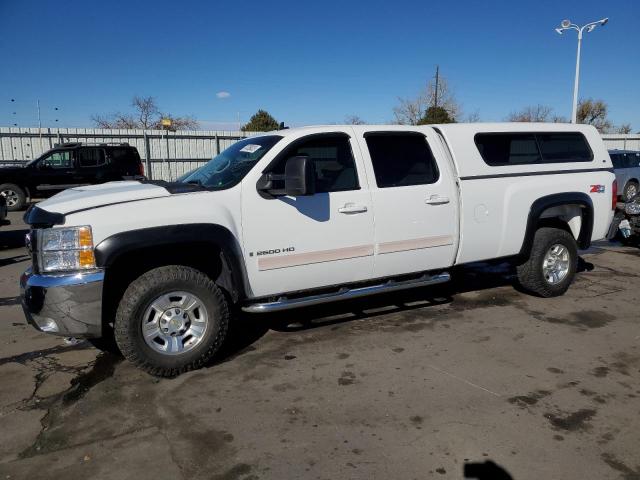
[552, 263]
[630, 191]
[14, 195]
[170, 320]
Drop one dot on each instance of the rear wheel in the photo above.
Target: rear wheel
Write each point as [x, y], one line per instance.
[630, 190]
[552, 263]
[170, 320]
[14, 195]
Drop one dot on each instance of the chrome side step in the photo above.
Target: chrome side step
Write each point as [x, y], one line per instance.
[284, 303]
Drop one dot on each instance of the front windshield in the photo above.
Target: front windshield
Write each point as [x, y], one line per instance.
[229, 167]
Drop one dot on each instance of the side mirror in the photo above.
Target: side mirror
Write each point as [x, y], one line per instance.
[299, 179]
[300, 176]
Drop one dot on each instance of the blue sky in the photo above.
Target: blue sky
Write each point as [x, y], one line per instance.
[309, 62]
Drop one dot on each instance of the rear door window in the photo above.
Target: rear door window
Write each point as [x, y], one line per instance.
[401, 159]
[633, 160]
[91, 157]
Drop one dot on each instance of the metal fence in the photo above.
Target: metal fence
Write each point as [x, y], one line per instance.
[166, 155]
[622, 141]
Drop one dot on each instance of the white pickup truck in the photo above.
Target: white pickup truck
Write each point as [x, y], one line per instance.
[310, 215]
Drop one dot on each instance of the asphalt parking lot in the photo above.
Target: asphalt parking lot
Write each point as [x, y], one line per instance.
[407, 386]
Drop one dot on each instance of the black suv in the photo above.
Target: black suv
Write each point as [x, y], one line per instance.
[68, 165]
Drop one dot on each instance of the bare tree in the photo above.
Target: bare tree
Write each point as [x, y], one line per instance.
[146, 111]
[177, 123]
[410, 111]
[146, 115]
[624, 129]
[354, 120]
[473, 117]
[594, 112]
[115, 120]
[533, 113]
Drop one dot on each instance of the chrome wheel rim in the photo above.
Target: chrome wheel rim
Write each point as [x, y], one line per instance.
[631, 191]
[175, 323]
[11, 197]
[556, 264]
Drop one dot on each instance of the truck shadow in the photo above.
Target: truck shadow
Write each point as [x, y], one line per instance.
[471, 278]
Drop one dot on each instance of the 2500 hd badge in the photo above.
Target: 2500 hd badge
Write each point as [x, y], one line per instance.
[273, 252]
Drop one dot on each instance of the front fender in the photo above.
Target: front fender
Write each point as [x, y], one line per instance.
[112, 248]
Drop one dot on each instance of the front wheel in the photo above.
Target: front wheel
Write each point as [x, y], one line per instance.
[552, 263]
[170, 320]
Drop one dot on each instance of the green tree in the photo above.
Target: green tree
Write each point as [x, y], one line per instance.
[594, 112]
[412, 111]
[436, 115]
[261, 121]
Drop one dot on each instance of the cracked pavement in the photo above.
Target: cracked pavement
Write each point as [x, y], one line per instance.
[412, 385]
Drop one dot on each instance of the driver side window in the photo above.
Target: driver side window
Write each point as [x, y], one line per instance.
[58, 160]
[334, 163]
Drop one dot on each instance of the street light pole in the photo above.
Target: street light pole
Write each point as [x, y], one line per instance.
[567, 25]
[574, 111]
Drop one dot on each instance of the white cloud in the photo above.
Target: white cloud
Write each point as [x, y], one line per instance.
[223, 94]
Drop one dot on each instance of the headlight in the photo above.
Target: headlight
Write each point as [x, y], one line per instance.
[66, 249]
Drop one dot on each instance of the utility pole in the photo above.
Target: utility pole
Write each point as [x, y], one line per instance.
[435, 96]
[39, 120]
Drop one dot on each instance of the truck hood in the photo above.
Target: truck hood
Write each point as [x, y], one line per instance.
[92, 196]
[10, 171]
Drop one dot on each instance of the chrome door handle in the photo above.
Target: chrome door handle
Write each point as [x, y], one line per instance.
[352, 208]
[436, 200]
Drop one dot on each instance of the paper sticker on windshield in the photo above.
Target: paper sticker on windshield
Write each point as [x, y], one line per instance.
[251, 148]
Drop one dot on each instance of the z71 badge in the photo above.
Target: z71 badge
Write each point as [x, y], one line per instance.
[597, 189]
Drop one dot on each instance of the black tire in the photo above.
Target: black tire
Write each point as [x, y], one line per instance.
[139, 296]
[629, 191]
[530, 273]
[15, 196]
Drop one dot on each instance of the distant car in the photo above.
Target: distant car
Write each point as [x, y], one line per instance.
[626, 165]
[3, 210]
[68, 165]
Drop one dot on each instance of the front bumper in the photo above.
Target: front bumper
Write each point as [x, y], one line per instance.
[66, 304]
